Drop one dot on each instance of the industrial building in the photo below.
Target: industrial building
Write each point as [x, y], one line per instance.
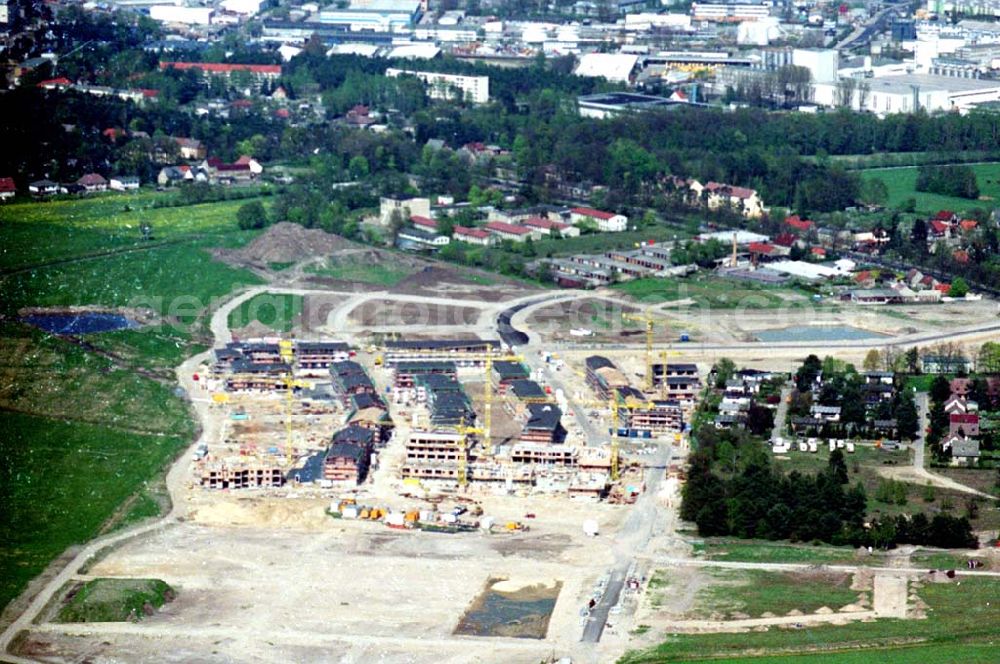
[374, 15]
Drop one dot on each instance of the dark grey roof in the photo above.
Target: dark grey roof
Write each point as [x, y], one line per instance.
[543, 417]
[346, 450]
[442, 344]
[246, 366]
[507, 370]
[527, 389]
[321, 346]
[423, 366]
[438, 382]
[595, 362]
[345, 368]
[354, 434]
[366, 400]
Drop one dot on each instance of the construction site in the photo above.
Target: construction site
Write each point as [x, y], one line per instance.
[426, 417]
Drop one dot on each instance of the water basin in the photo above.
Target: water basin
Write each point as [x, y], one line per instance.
[85, 322]
[817, 333]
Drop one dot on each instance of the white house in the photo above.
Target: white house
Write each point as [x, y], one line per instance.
[411, 237]
[551, 228]
[746, 201]
[123, 182]
[407, 207]
[474, 236]
[607, 222]
[513, 232]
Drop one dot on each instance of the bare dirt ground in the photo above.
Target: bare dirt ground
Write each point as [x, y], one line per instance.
[283, 243]
[335, 590]
[389, 312]
[442, 279]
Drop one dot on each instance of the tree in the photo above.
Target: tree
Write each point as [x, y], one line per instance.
[871, 361]
[837, 467]
[907, 418]
[959, 287]
[940, 389]
[724, 371]
[251, 216]
[912, 359]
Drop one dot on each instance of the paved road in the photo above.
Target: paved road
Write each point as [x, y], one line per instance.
[644, 521]
[923, 411]
[798, 567]
[781, 413]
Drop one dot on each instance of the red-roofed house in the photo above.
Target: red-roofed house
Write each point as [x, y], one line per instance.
[114, 133]
[762, 250]
[818, 252]
[607, 222]
[513, 232]
[93, 182]
[746, 201]
[967, 423]
[960, 256]
[798, 223]
[282, 113]
[864, 278]
[7, 188]
[426, 223]
[943, 288]
[968, 225]
[473, 236]
[785, 240]
[55, 83]
[947, 216]
[550, 227]
[938, 228]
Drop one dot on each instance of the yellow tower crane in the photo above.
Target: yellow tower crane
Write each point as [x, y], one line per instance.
[287, 352]
[645, 318]
[462, 473]
[615, 405]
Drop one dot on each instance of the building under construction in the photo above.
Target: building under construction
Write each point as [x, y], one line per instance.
[464, 352]
[435, 455]
[241, 475]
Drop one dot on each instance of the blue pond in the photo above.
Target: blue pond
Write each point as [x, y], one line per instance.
[82, 323]
[817, 333]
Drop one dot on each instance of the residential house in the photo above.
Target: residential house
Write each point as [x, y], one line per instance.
[826, 413]
[963, 450]
[473, 236]
[123, 182]
[44, 188]
[932, 363]
[418, 239]
[799, 224]
[741, 199]
[511, 232]
[550, 228]
[963, 424]
[191, 148]
[424, 223]
[169, 175]
[349, 455]
[607, 222]
[405, 207]
[7, 188]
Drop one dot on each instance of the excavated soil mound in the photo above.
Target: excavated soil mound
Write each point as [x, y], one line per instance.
[286, 242]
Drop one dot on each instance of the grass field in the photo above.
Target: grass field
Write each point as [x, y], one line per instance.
[113, 600]
[380, 274]
[901, 183]
[278, 311]
[963, 625]
[152, 347]
[61, 481]
[179, 281]
[35, 233]
[755, 592]
[759, 551]
[713, 293]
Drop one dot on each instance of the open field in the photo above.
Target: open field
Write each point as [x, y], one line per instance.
[177, 280]
[598, 243]
[62, 481]
[34, 233]
[762, 551]
[963, 618]
[276, 311]
[160, 347]
[901, 183]
[113, 600]
[756, 592]
[967, 653]
[380, 274]
[715, 293]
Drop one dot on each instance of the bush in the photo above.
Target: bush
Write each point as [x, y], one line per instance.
[958, 181]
